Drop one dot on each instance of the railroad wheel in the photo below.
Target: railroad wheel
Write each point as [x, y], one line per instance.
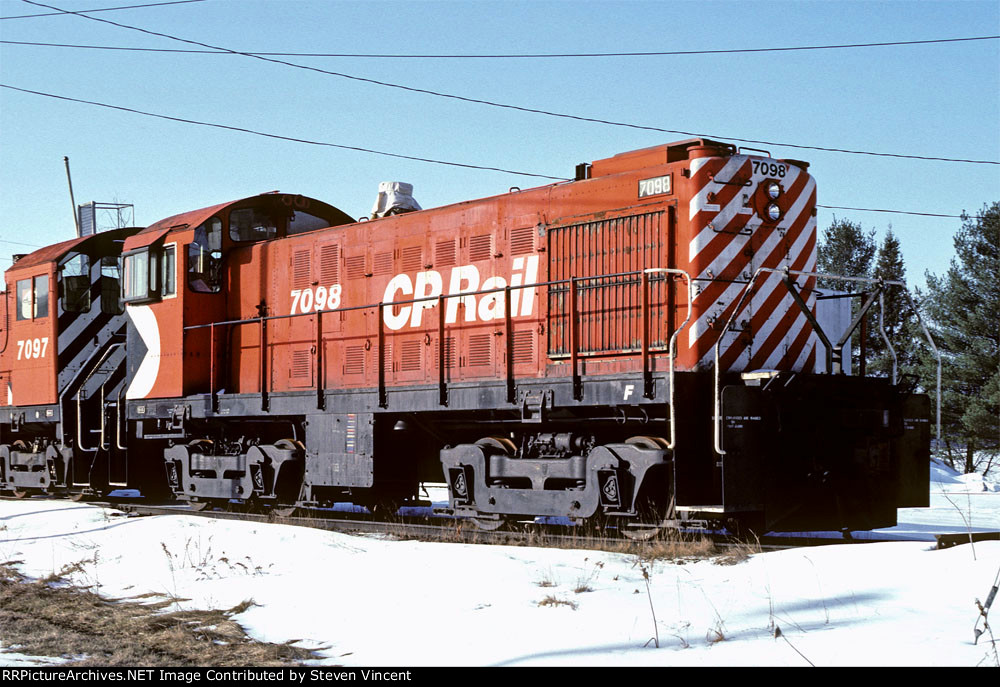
[198, 506]
[489, 523]
[502, 444]
[485, 522]
[290, 445]
[648, 442]
[284, 511]
[641, 531]
[21, 493]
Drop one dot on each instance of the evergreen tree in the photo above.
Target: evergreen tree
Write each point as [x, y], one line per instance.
[898, 319]
[963, 308]
[846, 250]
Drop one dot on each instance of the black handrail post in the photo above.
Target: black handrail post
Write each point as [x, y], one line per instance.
[264, 401]
[509, 343]
[647, 376]
[383, 401]
[320, 381]
[574, 336]
[442, 388]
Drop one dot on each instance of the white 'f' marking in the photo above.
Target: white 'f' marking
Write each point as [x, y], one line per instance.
[628, 391]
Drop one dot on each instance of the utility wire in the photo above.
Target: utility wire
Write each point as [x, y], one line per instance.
[511, 107]
[19, 243]
[898, 212]
[102, 9]
[503, 56]
[378, 152]
[282, 138]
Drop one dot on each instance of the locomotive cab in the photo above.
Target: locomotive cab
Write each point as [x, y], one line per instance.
[178, 274]
[61, 367]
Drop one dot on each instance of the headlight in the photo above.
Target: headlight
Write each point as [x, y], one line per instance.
[773, 190]
[773, 212]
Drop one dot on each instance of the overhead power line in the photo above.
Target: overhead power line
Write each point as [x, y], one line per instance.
[898, 212]
[499, 56]
[102, 9]
[20, 243]
[374, 152]
[514, 107]
[280, 137]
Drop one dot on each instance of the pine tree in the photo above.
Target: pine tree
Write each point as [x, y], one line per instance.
[963, 308]
[898, 319]
[846, 250]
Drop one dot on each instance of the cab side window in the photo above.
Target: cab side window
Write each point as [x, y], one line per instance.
[204, 264]
[169, 277]
[111, 295]
[252, 224]
[302, 222]
[74, 275]
[138, 270]
[33, 298]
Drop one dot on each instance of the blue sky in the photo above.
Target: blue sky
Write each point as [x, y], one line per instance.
[931, 100]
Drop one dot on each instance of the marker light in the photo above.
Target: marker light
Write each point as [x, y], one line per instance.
[773, 190]
[773, 212]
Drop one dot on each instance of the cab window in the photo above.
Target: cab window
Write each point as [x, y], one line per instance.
[137, 277]
[111, 293]
[204, 265]
[33, 298]
[74, 275]
[302, 222]
[169, 277]
[252, 224]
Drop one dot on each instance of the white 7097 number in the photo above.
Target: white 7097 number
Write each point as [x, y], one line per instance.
[305, 300]
[32, 348]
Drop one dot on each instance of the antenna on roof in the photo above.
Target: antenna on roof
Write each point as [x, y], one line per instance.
[76, 218]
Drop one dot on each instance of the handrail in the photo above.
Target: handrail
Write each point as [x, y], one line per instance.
[79, 390]
[672, 345]
[574, 283]
[463, 294]
[830, 349]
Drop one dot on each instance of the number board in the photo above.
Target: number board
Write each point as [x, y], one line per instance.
[655, 186]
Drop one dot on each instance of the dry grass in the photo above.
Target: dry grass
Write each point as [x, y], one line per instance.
[738, 553]
[50, 618]
[553, 601]
[670, 545]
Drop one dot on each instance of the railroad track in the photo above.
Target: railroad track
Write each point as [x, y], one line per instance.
[447, 529]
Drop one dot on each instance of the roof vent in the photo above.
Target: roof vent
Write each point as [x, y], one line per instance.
[394, 198]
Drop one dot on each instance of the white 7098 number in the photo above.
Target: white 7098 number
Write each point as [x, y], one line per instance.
[305, 300]
[32, 348]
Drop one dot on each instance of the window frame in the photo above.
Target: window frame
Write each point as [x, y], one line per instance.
[152, 290]
[197, 281]
[171, 284]
[37, 312]
[64, 291]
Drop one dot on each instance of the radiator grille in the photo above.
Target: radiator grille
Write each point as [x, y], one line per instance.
[608, 307]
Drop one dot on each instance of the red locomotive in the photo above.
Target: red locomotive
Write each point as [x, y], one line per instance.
[638, 345]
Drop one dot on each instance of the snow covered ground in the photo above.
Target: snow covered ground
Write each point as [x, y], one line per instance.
[369, 601]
